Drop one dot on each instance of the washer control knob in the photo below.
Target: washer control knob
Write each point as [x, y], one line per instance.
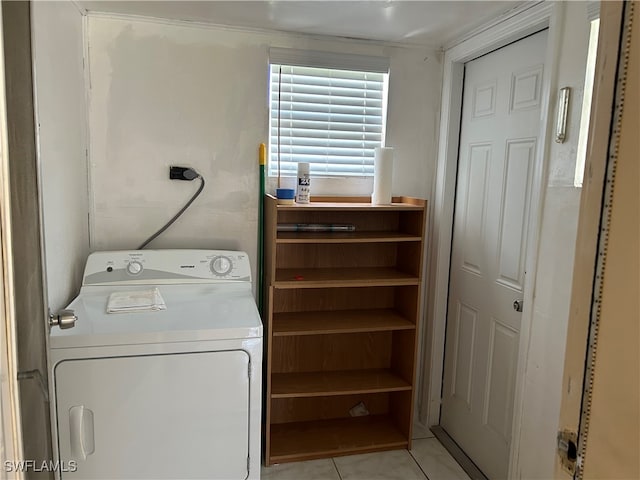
[134, 268]
[221, 265]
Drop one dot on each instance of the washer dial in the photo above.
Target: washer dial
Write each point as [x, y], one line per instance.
[221, 265]
[134, 268]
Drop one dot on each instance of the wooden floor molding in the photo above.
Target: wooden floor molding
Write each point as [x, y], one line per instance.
[457, 453]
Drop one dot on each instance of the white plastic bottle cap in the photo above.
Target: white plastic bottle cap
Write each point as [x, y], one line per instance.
[303, 168]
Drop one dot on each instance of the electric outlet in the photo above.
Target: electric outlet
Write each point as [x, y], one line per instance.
[182, 173]
[176, 173]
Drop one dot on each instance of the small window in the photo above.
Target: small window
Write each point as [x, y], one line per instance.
[332, 118]
[585, 116]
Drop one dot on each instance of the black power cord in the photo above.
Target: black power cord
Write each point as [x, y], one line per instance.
[178, 173]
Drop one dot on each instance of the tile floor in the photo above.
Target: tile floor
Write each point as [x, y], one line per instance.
[427, 460]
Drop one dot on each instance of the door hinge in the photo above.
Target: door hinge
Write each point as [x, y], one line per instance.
[249, 370]
[568, 451]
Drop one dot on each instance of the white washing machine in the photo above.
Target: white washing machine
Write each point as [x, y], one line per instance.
[157, 393]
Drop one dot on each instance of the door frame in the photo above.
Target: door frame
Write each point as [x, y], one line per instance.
[601, 135]
[519, 24]
[10, 415]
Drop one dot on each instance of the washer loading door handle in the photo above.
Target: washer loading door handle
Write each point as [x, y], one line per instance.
[81, 432]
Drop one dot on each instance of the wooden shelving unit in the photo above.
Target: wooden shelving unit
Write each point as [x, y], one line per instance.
[321, 384]
[341, 311]
[344, 237]
[335, 437]
[342, 277]
[338, 321]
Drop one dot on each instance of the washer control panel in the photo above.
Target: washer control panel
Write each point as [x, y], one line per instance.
[166, 266]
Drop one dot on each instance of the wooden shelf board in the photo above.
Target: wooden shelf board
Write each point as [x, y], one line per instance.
[345, 382]
[342, 277]
[338, 321]
[347, 207]
[327, 438]
[345, 237]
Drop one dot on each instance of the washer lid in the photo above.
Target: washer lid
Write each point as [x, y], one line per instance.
[194, 313]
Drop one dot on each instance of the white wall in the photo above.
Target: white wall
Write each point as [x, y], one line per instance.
[62, 142]
[175, 94]
[544, 369]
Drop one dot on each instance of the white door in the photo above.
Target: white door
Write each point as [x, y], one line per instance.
[160, 416]
[499, 140]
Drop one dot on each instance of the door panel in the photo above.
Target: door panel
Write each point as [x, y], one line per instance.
[464, 337]
[503, 345]
[526, 86]
[498, 146]
[515, 208]
[476, 193]
[157, 416]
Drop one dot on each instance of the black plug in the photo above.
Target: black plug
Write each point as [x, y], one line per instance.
[182, 173]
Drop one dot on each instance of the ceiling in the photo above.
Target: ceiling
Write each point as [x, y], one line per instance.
[432, 23]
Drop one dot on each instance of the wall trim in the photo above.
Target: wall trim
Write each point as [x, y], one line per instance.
[256, 31]
[515, 11]
[79, 7]
[494, 36]
[86, 66]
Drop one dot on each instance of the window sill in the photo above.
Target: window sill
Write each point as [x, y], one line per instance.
[326, 185]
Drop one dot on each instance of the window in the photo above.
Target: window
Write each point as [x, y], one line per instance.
[585, 116]
[326, 109]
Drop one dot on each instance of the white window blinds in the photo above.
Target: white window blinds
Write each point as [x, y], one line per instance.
[332, 118]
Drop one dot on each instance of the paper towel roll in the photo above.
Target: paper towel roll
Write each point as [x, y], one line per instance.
[382, 176]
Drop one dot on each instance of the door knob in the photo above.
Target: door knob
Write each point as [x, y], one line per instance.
[63, 319]
[517, 305]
